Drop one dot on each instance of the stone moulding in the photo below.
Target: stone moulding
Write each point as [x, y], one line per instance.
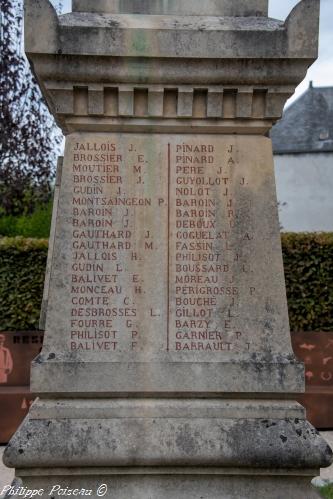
[177, 433]
[79, 67]
[166, 107]
[194, 7]
[156, 378]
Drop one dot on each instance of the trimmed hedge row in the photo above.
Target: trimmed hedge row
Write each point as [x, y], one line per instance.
[308, 262]
[308, 266]
[22, 269]
[35, 225]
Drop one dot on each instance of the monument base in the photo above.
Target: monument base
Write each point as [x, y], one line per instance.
[172, 448]
[173, 483]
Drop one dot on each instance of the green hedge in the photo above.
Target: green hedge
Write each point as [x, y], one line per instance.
[308, 265]
[327, 491]
[308, 261]
[22, 269]
[35, 225]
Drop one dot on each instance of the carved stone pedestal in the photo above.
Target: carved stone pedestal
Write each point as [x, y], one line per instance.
[167, 370]
[169, 448]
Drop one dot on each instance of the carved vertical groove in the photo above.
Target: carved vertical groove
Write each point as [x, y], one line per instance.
[80, 101]
[111, 96]
[259, 103]
[185, 102]
[215, 102]
[275, 101]
[170, 103]
[244, 102]
[96, 100]
[229, 103]
[126, 101]
[141, 102]
[200, 103]
[155, 101]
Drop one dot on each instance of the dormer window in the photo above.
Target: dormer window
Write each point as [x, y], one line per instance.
[324, 135]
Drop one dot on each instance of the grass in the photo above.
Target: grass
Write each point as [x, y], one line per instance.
[327, 491]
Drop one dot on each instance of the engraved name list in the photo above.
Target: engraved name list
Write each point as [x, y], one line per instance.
[162, 238]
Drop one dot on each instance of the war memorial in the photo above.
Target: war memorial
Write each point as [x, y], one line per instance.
[167, 370]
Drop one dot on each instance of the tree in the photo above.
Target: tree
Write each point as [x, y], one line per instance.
[29, 138]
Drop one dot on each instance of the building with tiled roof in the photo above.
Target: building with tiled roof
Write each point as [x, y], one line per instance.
[303, 152]
[307, 125]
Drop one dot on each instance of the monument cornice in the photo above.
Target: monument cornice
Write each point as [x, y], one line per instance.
[153, 73]
[177, 7]
[172, 36]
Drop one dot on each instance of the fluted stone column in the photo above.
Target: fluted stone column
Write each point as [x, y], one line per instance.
[167, 369]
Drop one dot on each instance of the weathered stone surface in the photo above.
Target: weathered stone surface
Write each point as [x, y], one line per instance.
[109, 60]
[42, 320]
[176, 7]
[163, 262]
[169, 448]
[177, 37]
[180, 483]
[167, 364]
[239, 434]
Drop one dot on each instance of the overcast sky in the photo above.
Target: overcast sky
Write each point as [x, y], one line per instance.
[322, 71]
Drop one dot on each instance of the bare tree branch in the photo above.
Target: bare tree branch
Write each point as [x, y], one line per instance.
[29, 138]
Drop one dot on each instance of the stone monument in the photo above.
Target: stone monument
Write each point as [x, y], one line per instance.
[167, 370]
